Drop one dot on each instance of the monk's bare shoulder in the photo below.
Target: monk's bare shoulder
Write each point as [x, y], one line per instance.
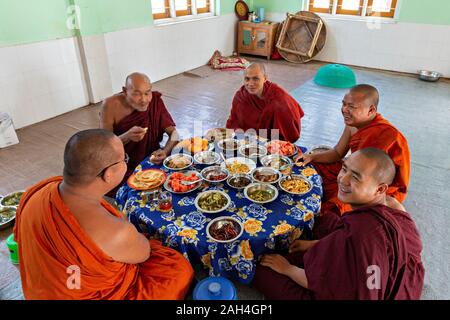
[113, 104]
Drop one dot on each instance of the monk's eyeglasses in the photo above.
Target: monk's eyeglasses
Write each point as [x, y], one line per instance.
[127, 158]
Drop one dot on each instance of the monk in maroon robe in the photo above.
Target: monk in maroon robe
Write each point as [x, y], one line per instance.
[373, 253]
[139, 118]
[364, 127]
[265, 107]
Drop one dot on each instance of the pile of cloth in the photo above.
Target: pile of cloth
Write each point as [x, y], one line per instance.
[220, 62]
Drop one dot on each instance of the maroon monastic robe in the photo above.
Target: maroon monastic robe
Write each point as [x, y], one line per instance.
[156, 119]
[341, 265]
[276, 110]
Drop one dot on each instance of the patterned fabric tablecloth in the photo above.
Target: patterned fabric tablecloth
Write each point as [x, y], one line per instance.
[267, 227]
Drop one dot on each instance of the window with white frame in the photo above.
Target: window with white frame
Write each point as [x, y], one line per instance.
[172, 9]
[364, 8]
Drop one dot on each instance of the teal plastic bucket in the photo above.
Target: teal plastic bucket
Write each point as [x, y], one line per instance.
[335, 76]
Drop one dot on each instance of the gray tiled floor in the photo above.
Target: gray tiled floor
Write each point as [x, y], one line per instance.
[420, 110]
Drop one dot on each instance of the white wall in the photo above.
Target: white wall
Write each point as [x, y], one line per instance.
[41, 80]
[164, 51]
[404, 47]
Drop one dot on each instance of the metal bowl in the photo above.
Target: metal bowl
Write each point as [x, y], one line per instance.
[266, 171]
[261, 186]
[186, 173]
[217, 134]
[6, 198]
[276, 161]
[295, 177]
[255, 151]
[240, 160]
[318, 149]
[219, 223]
[205, 173]
[5, 222]
[431, 76]
[198, 158]
[206, 193]
[227, 145]
[268, 144]
[189, 161]
[238, 176]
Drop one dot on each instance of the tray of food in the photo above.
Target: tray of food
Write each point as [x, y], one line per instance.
[147, 179]
[178, 162]
[175, 182]
[212, 201]
[224, 229]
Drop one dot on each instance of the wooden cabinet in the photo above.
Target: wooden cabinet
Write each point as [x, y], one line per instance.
[257, 38]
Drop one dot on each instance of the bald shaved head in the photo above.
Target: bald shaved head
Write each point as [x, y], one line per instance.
[368, 93]
[134, 78]
[384, 169]
[257, 66]
[87, 153]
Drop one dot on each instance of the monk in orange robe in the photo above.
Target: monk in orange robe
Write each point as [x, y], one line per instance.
[263, 106]
[373, 253]
[140, 119]
[74, 245]
[364, 127]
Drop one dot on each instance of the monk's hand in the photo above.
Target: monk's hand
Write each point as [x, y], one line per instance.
[158, 156]
[299, 245]
[276, 262]
[136, 133]
[303, 160]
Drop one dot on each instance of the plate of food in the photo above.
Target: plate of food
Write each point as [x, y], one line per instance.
[178, 162]
[207, 158]
[261, 192]
[252, 151]
[12, 199]
[212, 201]
[266, 175]
[214, 174]
[239, 165]
[319, 149]
[283, 148]
[239, 181]
[147, 179]
[217, 134]
[7, 216]
[224, 229]
[194, 145]
[229, 145]
[174, 182]
[278, 162]
[295, 184]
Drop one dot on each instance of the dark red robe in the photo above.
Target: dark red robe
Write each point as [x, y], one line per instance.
[338, 266]
[378, 134]
[276, 110]
[156, 119]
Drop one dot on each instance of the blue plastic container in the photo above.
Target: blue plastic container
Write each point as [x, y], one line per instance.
[261, 15]
[215, 288]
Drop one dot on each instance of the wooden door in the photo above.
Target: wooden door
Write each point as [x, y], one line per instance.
[261, 41]
[245, 38]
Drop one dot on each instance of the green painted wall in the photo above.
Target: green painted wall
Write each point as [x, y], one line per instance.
[413, 11]
[427, 12]
[24, 21]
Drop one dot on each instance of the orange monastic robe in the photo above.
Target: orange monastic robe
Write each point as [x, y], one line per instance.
[378, 134]
[53, 248]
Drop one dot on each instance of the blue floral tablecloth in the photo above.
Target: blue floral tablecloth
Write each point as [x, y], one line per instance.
[267, 228]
